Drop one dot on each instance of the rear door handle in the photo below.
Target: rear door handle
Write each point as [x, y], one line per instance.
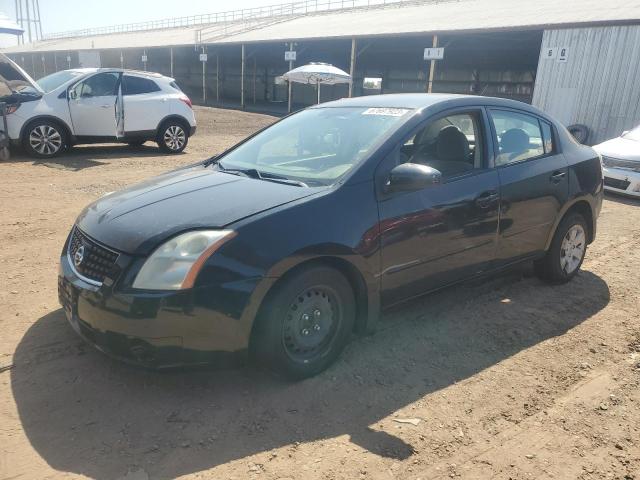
[556, 177]
[488, 198]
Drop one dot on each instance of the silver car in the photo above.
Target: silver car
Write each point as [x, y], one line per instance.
[621, 163]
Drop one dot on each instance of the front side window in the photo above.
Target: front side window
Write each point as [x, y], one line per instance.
[452, 144]
[137, 85]
[316, 146]
[519, 136]
[99, 85]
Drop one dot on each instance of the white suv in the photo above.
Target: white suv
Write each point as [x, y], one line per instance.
[93, 105]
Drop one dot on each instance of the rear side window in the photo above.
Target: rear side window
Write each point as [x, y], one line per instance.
[520, 136]
[138, 85]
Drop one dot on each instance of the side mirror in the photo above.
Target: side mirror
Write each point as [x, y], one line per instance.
[408, 177]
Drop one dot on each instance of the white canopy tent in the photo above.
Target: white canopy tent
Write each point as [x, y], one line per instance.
[317, 74]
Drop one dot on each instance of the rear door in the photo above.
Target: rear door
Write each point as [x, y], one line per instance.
[144, 105]
[442, 233]
[93, 105]
[534, 182]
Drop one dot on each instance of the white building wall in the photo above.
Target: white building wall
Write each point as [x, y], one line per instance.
[598, 84]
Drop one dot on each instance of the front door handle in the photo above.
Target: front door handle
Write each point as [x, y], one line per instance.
[488, 198]
[556, 177]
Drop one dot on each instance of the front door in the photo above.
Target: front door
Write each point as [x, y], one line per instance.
[534, 182]
[442, 233]
[93, 104]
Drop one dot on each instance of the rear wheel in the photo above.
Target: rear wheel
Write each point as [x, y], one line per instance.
[172, 136]
[44, 139]
[306, 323]
[566, 253]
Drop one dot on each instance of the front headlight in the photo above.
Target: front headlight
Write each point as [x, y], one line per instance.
[175, 264]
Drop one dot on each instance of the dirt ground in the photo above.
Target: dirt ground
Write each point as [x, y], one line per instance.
[502, 378]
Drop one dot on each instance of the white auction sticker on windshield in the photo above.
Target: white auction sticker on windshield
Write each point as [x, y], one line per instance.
[387, 112]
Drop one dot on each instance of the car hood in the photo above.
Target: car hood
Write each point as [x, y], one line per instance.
[621, 148]
[137, 219]
[13, 78]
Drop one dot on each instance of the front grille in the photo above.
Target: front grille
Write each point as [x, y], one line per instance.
[94, 262]
[633, 165]
[615, 183]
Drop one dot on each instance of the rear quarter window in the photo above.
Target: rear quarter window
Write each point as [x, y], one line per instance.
[138, 85]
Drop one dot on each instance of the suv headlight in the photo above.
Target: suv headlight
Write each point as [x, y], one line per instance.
[175, 264]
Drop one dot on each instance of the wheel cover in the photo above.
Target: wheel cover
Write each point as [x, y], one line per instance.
[572, 249]
[311, 322]
[45, 139]
[174, 137]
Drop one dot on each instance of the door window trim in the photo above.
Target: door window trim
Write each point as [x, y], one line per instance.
[496, 144]
[382, 170]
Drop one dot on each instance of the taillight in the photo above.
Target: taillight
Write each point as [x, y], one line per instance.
[186, 100]
[11, 108]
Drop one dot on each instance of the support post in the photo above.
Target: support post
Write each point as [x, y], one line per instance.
[55, 61]
[28, 21]
[318, 88]
[432, 67]
[242, 78]
[290, 89]
[171, 60]
[352, 68]
[217, 77]
[254, 79]
[204, 81]
[144, 64]
[121, 59]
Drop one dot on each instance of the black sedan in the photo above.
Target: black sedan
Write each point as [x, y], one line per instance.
[291, 241]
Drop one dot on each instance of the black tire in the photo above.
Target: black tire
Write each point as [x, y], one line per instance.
[173, 136]
[44, 139]
[579, 132]
[279, 340]
[136, 143]
[552, 268]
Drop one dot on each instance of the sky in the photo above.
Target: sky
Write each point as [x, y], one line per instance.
[62, 15]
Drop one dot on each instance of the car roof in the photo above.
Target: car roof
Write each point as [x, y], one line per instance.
[421, 101]
[88, 70]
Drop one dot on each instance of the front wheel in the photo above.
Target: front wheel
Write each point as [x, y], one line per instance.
[306, 323]
[172, 137]
[44, 139]
[566, 253]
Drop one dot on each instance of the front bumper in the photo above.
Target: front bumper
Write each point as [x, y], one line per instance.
[159, 329]
[626, 182]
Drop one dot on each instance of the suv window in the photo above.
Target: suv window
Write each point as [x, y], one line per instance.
[99, 85]
[520, 137]
[452, 144]
[138, 85]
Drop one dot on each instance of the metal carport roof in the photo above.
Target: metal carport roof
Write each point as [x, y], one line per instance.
[407, 19]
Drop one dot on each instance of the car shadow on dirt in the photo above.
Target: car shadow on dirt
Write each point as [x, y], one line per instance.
[87, 414]
[87, 156]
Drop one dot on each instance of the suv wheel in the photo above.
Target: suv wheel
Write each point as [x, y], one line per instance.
[44, 139]
[566, 253]
[172, 137]
[306, 323]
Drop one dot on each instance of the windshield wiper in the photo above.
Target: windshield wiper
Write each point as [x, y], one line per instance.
[272, 177]
[215, 160]
[254, 173]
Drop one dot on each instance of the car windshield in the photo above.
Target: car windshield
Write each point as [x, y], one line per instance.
[53, 81]
[633, 134]
[316, 146]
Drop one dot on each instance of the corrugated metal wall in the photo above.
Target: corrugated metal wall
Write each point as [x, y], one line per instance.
[598, 85]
